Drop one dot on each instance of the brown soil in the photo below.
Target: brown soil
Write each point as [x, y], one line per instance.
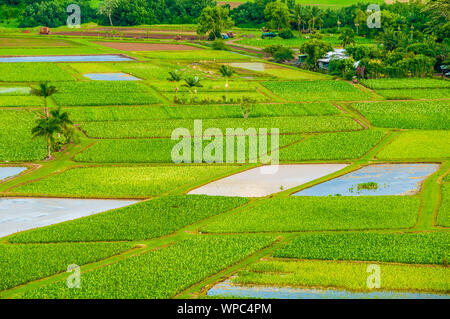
[135, 35]
[233, 4]
[126, 46]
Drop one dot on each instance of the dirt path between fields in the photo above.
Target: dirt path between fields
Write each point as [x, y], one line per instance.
[127, 46]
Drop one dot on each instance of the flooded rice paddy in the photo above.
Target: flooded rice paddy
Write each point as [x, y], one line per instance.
[379, 179]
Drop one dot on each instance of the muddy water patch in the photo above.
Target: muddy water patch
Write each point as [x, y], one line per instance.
[256, 183]
[6, 172]
[19, 214]
[373, 180]
[228, 289]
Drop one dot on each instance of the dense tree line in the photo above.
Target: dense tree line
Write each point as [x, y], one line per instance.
[398, 16]
[52, 13]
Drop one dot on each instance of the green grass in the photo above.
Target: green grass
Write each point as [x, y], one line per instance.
[159, 273]
[414, 248]
[408, 83]
[412, 94]
[344, 275]
[121, 182]
[444, 210]
[321, 213]
[164, 128]
[20, 264]
[149, 219]
[333, 146]
[33, 72]
[157, 150]
[16, 143]
[417, 115]
[418, 144]
[316, 91]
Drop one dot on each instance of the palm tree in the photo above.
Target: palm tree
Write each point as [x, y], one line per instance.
[175, 76]
[227, 72]
[44, 91]
[62, 119]
[192, 82]
[297, 16]
[46, 127]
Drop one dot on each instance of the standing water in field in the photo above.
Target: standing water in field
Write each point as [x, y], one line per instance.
[67, 58]
[379, 179]
[18, 214]
[111, 77]
[6, 172]
[228, 289]
[252, 66]
[15, 90]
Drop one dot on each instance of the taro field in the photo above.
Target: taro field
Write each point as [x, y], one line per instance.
[159, 192]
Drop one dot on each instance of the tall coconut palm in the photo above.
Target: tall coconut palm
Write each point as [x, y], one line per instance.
[62, 119]
[227, 72]
[44, 90]
[46, 127]
[175, 76]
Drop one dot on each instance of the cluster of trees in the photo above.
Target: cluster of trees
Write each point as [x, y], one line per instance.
[398, 54]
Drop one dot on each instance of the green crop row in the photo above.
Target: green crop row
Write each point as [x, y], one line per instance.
[333, 146]
[409, 83]
[321, 213]
[316, 91]
[145, 220]
[345, 275]
[159, 273]
[412, 94]
[164, 128]
[94, 93]
[16, 143]
[122, 182]
[20, 264]
[414, 248]
[417, 144]
[20, 101]
[417, 115]
[218, 97]
[160, 150]
[94, 114]
[33, 72]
